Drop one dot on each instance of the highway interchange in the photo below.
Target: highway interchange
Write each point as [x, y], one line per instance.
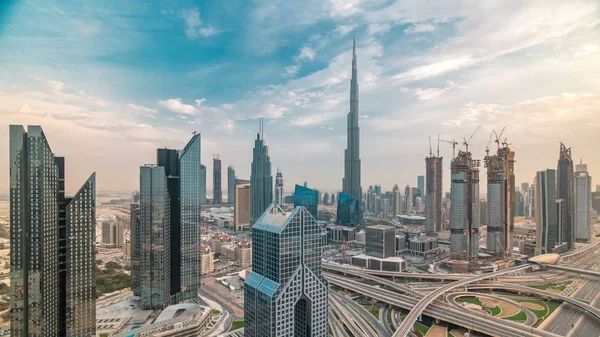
[579, 317]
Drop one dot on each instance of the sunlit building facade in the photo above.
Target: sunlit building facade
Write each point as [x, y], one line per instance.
[348, 210]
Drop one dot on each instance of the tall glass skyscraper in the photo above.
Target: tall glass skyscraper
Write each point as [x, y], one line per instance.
[286, 294]
[230, 184]
[155, 231]
[191, 199]
[52, 241]
[308, 198]
[421, 186]
[351, 183]
[433, 194]
[217, 189]
[583, 204]
[261, 180]
[279, 187]
[202, 184]
[545, 211]
[348, 210]
[566, 189]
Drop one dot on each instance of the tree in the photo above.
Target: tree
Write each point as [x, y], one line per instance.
[112, 265]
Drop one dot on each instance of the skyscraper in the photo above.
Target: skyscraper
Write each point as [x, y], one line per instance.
[464, 213]
[155, 240]
[202, 184]
[52, 256]
[190, 188]
[279, 187]
[326, 198]
[508, 157]
[545, 211]
[307, 198]
[348, 210]
[136, 247]
[583, 204]
[230, 184]
[496, 205]
[433, 194]
[333, 199]
[285, 295]
[565, 191]
[261, 180]
[241, 215]
[421, 186]
[396, 201]
[351, 181]
[217, 191]
[408, 199]
[169, 160]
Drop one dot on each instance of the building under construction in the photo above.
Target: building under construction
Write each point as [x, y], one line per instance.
[433, 187]
[496, 205]
[508, 158]
[464, 213]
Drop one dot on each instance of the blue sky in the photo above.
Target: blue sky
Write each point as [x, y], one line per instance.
[111, 82]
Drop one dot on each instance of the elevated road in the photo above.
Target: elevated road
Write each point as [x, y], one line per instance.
[473, 320]
[572, 270]
[531, 317]
[416, 312]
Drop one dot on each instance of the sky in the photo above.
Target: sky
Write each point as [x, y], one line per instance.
[111, 82]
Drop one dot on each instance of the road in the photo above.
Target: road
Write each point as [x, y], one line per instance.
[373, 322]
[531, 317]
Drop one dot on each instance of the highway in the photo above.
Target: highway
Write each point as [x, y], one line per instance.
[373, 322]
[531, 317]
[351, 319]
[476, 321]
[416, 312]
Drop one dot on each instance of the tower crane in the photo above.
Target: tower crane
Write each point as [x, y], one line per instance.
[506, 143]
[498, 137]
[430, 151]
[466, 142]
[487, 147]
[453, 142]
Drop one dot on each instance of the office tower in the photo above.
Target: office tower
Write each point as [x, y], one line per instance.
[351, 181]
[419, 205]
[396, 201]
[378, 190]
[190, 179]
[348, 210]
[596, 201]
[135, 197]
[242, 204]
[217, 192]
[261, 180]
[136, 247]
[464, 213]
[155, 240]
[408, 199]
[531, 202]
[483, 216]
[333, 198]
[230, 184]
[169, 160]
[545, 211]
[52, 256]
[285, 295]
[583, 204]
[112, 234]
[319, 198]
[508, 158]
[433, 194]
[496, 205]
[203, 184]
[565, 191]
[421, 186]
[307, 198]
[326, 198]
[561, 215]
[279, 187]
[380, 241]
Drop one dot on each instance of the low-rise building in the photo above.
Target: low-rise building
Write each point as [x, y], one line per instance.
[207, 264]
[393, 263]
[338, 234]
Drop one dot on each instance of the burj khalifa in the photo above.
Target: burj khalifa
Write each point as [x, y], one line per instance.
[351, 180]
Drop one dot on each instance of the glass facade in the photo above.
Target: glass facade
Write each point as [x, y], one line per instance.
[230, 184]
[566, 191]
[307, 197]
[261, 180]
[545, 208]
[217, 191]
[286, 294]
[348, 210]
[191, 194]
[380, 241]
[155, 238]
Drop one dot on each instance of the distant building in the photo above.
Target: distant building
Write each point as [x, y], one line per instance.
[380, 241]
[339, 234]
[279, 187]
[286, 296]
[261, 180]
[418, 205]
[421, 186]
[136, 248]
[464, 213]
[207, 260]
[422, 245]
[326, 199]
[393, 263]
[546, 215]
[396, 201]
[112, 234]
[307, 197]
[242, 204]
[565, 190]
[348, 210]
[408, 200]
[230, 184]
[583, 204]
[217, 189]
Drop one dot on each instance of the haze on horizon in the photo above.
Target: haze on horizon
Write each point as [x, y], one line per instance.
[109, 85]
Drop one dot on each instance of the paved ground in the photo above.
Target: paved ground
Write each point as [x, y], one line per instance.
[437, 331]
[533, 306]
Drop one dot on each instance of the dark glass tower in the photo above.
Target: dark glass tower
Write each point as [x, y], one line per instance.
[52, 240]
[433, 194]
[351, 182]
[230, 184]
[348, 211]
[261, 180]
[217, 191]
[566, 190]
[169, 159]
[286, 294]
[308, 198]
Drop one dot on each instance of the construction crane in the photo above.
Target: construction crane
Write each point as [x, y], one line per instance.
[430, 151]
[453, 142]
[438, 147]
[498, 137]
[487, 147]
[505, 143]
[466, 142]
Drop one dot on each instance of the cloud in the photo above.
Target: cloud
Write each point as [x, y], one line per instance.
[142, 109]
[432, 93]
[306, 53]
[420, 28]
[586, 50]
[290, 71]
[194, 27]
[433, 69]
[87, 28]
[177, 105]
[378, 28]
